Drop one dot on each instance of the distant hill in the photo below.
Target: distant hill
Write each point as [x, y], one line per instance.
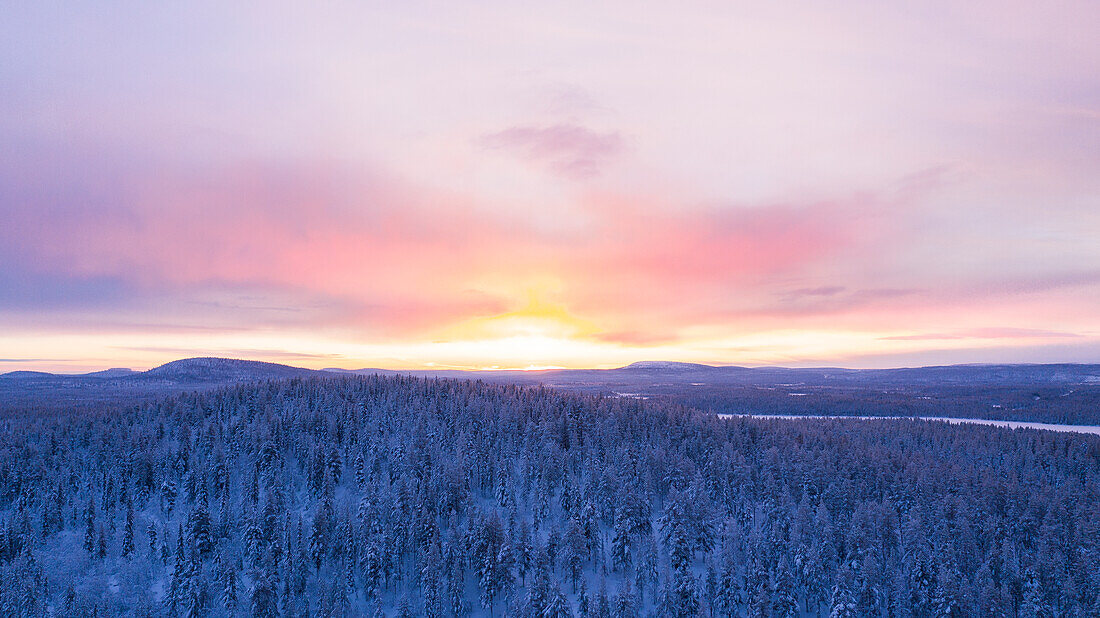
[671, 366]
[26, 375]
[685, 373]
[220, 370]
[40, 390]
[1063, 393]
[1067, 393]
[205, 370]
[116, 372]
[184, 371]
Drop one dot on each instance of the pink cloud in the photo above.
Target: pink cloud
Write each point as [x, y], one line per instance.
[825, 290]
[657, 267]
[370, 252]
[568, 150]
[986, 333]
[372, 255]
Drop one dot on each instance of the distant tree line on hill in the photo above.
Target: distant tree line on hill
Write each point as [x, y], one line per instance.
[1077, 404]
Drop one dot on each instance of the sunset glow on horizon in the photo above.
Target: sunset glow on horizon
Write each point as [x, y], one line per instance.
[505, 187]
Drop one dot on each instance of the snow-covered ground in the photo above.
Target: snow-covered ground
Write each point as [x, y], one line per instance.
[1090, 429]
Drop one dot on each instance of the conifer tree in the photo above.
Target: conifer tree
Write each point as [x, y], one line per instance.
[128, 534]
[625, 603]
[557, 605]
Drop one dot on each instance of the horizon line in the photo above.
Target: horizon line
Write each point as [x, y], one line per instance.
[545, 369]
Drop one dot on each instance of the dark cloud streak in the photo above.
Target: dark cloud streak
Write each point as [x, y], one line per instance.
[568, 150]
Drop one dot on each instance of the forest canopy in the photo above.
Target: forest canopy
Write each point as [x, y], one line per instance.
[404, 496]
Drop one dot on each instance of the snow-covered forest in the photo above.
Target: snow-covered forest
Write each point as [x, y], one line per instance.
[409, 497]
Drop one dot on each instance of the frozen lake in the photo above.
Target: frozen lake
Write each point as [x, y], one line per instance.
[1090, 429]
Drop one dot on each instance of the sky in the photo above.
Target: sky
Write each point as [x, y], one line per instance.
[568, 184]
